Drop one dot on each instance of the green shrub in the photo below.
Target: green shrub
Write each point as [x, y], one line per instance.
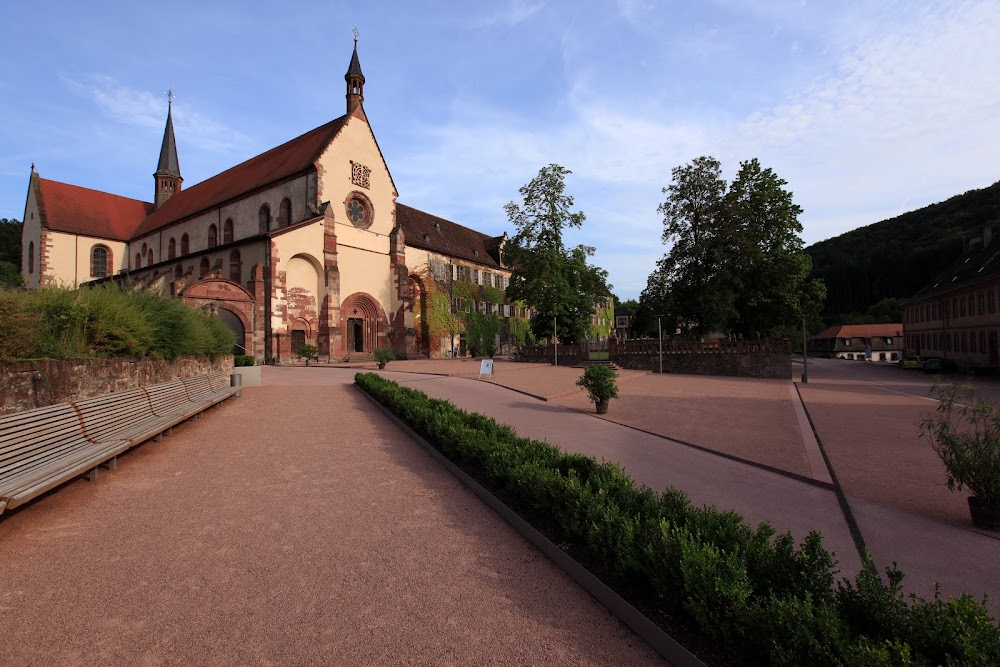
[242, 360]
[383, 355]
[599, 381]
[105, 321]
[744, 586]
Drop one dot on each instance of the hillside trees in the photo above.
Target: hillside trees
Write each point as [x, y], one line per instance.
[10, 253]
[736, 264]
[546, 275]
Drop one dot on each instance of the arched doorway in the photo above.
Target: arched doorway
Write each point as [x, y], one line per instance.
[363, 323]
[235, 324]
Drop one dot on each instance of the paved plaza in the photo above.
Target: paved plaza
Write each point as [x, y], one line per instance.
[299, 525]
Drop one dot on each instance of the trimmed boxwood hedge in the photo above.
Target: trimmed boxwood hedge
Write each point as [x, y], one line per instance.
[747, 589]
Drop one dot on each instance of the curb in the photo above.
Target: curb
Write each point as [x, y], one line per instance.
[662, 643]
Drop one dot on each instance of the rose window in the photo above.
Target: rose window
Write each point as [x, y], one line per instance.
[359, 210]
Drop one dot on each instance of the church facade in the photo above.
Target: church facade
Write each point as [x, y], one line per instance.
[304, 243]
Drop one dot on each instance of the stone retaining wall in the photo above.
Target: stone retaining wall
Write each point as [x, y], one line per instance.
[25, 385]
[778, 366]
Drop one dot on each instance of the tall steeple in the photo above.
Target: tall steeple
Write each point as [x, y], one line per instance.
[168, 172]
[355, 80]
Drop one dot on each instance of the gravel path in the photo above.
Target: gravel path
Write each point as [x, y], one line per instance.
[294, 525]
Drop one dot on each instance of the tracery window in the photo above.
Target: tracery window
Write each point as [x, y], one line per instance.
[264, 219]
[213, 236]
[285, 213]
[227, 231]
[185, 244]
[359, 210]
[360, 175]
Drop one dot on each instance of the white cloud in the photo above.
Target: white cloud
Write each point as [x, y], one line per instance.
[510, 15]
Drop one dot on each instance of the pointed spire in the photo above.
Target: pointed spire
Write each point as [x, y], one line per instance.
[167, 177]
[355, 79]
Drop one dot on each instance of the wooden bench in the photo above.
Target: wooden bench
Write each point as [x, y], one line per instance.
[40, 449]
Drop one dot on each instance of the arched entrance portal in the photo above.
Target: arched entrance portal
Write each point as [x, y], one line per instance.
[235, 324]
[363, 323]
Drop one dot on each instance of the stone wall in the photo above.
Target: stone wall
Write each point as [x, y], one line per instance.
[25, 385]
[777, 366]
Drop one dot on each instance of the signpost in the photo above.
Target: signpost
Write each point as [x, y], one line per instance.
[486, 368]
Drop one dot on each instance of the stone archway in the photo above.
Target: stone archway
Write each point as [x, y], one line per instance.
[233, 304]
[363, 325]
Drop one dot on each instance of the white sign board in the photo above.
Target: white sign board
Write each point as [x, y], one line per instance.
[486, 368]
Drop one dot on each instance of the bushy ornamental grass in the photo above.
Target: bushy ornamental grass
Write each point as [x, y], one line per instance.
[746, 588]
[105, 321]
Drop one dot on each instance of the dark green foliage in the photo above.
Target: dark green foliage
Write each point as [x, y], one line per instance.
[736, 264]
[737, 585]
[241, 360]
[547, 276]
[895, 258]
[480, 333]
[599, 381]
[383, 355]
[105, 321]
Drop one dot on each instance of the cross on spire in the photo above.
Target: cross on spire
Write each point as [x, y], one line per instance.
[170, 95]
[356, 33]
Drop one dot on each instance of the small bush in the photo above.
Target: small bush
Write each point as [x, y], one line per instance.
[242, 360]
[383, 355]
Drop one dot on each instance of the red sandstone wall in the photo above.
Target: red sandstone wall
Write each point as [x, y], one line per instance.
[34, 384]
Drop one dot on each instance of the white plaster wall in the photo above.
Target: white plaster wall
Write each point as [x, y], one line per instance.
[243, 212]
[31, 232]
[362, 271]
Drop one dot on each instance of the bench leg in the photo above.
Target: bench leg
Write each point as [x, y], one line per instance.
[159, 437]
[92, 474]
[112, 463]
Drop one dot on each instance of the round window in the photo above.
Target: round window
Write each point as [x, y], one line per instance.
[359, 210]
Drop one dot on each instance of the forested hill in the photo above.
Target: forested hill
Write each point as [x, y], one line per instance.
[894, 258]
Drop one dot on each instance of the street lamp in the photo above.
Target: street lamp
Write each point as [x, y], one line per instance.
[659, 331]
[805, 356]
[555, 342]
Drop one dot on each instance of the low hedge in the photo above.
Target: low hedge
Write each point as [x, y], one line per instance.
[747, 589]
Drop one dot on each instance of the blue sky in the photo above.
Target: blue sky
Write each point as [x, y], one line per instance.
[867, 109]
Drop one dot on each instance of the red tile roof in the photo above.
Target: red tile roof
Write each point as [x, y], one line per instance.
[423, 230]
[70, 208]
[862, 331]
[288, 159]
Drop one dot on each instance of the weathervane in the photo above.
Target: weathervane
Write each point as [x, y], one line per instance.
[356, 33]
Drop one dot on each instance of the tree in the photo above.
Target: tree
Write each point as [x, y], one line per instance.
[691, 284]
[545, 275]
[10, 253]
[737, 263]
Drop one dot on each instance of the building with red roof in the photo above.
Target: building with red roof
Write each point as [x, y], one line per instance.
[859, 342]
[304, 243]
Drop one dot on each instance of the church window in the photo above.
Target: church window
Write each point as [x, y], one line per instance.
[99, 261]
[360, 175]
[178, 272]
[204, 268]
[227, 231]
[144, 249]
[235, 267]
[172, 248]
[31, 257]
[138, 261]
[185, 244]
[285, 213]
[359, 210]
[213, 236]
[149, 257]
[264, 219]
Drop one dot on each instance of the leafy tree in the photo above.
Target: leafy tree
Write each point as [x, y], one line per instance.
[737, 263]
[10, 253]
[691, 282]
[546, 275]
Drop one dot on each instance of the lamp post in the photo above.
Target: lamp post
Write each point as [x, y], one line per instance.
[659, 333]
[555, 343]
[805, 356]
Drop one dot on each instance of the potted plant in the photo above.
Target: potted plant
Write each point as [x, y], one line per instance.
[308, 351]
[599, 381]
[965, 433]
[383, 355]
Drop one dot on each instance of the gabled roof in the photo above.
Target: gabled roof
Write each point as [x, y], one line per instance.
[976, 265]
[423, 230]
[70, 208]
[291, 158]
[862, 331]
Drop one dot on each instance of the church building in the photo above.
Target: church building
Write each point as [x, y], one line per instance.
[304, 243]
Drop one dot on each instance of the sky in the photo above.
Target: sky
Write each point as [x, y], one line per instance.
[867, 109]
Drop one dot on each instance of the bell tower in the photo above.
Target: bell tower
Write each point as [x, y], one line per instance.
[355, 80]
[167, 176]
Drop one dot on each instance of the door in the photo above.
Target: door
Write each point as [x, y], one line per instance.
[355, 335]
[298, 340]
